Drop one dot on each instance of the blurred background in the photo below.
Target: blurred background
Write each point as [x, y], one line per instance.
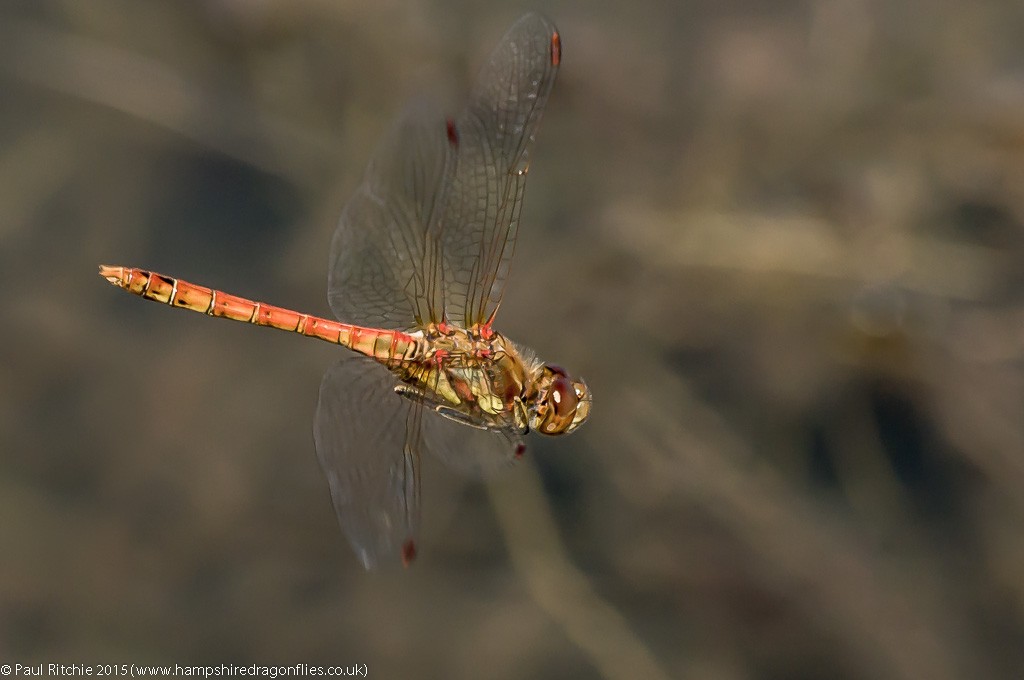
[782, 242]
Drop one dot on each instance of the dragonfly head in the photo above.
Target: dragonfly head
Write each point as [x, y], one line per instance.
[562, 404]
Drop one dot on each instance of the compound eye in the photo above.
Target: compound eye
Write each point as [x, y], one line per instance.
[561, 406]
[562, 397]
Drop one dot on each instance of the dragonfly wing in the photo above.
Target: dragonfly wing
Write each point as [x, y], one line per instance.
[385, 264]
[469, 450]
[492, 137]
[367, 442]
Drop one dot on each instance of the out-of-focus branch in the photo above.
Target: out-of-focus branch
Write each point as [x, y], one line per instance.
[562, 590]
[890, 615]
[805, 246]
[149, 90]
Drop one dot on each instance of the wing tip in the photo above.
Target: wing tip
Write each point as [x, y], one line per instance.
[408, 552]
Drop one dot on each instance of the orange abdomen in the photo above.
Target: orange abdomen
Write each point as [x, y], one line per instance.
[386, 346]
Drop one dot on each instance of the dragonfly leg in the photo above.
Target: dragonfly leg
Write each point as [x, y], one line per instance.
[458, 416]
[411, 393]
[522, 417]
[444, 410]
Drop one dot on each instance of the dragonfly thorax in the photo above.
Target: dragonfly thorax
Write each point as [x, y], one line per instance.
[475, 380]
[489, 382]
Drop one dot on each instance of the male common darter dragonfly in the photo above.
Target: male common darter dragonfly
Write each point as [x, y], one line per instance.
[418, 265]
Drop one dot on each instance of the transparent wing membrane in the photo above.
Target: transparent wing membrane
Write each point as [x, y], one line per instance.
[385, 270]
[470, 451]
[495, 132]
[366, 438]
[431, 231]
[369, 441]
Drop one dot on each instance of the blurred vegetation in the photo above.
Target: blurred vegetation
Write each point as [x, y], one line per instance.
[782, 242]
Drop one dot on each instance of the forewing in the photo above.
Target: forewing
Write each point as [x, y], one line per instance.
[366, 436]
[385, 264]
[492, 138]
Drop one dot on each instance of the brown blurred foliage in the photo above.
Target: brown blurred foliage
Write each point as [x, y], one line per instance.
[783, 242]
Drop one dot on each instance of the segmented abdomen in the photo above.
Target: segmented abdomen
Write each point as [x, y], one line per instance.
[386, 346]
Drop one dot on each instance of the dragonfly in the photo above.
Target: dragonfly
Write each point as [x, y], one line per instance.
[417, 271]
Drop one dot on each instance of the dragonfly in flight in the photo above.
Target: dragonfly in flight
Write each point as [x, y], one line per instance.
[418, 266]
